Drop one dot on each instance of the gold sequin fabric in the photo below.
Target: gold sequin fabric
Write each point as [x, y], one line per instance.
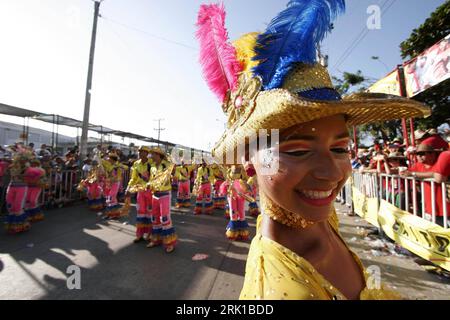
[282, 107]
[273, 272]
[304, 77]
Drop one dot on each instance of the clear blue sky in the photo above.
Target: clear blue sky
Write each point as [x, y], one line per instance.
[154, 73]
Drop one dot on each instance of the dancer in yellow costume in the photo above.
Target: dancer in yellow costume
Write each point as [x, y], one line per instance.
[202, 188]
[182, 175]
[114, 172]
[219, 174]
[160, 183]
[273, 82]
[237, 191]
[140, 176]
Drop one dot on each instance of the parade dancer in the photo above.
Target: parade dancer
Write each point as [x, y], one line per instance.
[140, 176]
[35, 180]
[238, 192]
[182, 175]
[93, 185]
[163, 231]
[219, 174]
[203, 189]
[16, 220]
[253, 184]
[114, 172]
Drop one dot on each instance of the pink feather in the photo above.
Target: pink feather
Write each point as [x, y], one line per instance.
[217, 56]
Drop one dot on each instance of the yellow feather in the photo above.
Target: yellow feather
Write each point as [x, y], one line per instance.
[245, 52]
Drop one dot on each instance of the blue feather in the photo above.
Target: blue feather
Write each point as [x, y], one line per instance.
[292, 37]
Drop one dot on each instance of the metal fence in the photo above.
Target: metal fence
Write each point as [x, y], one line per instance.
[408, 194]
[345, 195]
[61, 188]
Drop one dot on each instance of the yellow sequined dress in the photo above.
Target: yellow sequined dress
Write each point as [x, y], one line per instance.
[273, 272]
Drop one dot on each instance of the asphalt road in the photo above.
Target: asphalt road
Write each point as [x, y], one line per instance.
[205, 265]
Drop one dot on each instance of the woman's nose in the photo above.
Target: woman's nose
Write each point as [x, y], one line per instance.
[330, 169]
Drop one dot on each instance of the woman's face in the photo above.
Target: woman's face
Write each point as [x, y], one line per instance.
[313, 166]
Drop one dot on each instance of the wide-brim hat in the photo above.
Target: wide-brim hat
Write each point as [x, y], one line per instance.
[423, 147]
[158, 150]
[273, 80]
[145, 148]
[420, 134]
[285, 107]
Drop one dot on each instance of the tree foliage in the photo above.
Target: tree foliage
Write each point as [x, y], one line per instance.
[435, 28]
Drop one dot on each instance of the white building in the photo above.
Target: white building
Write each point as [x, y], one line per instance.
[11, 133]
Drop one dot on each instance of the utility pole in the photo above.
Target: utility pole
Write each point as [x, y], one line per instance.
[159, 129]
[87, 101]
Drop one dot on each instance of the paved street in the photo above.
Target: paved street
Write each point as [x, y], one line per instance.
[34, 264]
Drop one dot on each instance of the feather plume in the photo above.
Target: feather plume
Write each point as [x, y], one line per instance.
[245, 51]
[293, 36]
[217, 55]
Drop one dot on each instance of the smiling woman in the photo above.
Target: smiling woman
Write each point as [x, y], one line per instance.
[297, 252]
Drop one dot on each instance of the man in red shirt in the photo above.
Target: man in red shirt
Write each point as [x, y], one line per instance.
[441, 173]
[431, 165]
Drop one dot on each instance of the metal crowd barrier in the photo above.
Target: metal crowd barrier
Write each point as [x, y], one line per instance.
[366, 183]
[61, 188]
[405, 193]
[345, 195]
[412, 189]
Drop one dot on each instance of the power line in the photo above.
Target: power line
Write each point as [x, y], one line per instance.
[355, 42]
[361, 36]
[149, 34]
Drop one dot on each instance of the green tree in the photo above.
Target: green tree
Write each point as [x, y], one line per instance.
[435, 28]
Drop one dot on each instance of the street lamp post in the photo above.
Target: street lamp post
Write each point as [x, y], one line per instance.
[379, 60]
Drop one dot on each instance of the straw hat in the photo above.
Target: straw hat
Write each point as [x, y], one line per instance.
[287, 86]
[426, 148]
[144, 148]
[158, 151]
[420, 134]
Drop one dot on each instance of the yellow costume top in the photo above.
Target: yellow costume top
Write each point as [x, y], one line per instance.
[160, 176]
[252, 181]
[273, 272]
[182, 173]
[237, 172]
[219, 172]
[114, 171]
[204, 175]
[140, 174]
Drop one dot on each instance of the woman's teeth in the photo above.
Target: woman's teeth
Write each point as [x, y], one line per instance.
[316, 194]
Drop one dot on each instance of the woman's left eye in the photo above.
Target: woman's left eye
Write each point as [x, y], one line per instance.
[297, 153]
[339, 150]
